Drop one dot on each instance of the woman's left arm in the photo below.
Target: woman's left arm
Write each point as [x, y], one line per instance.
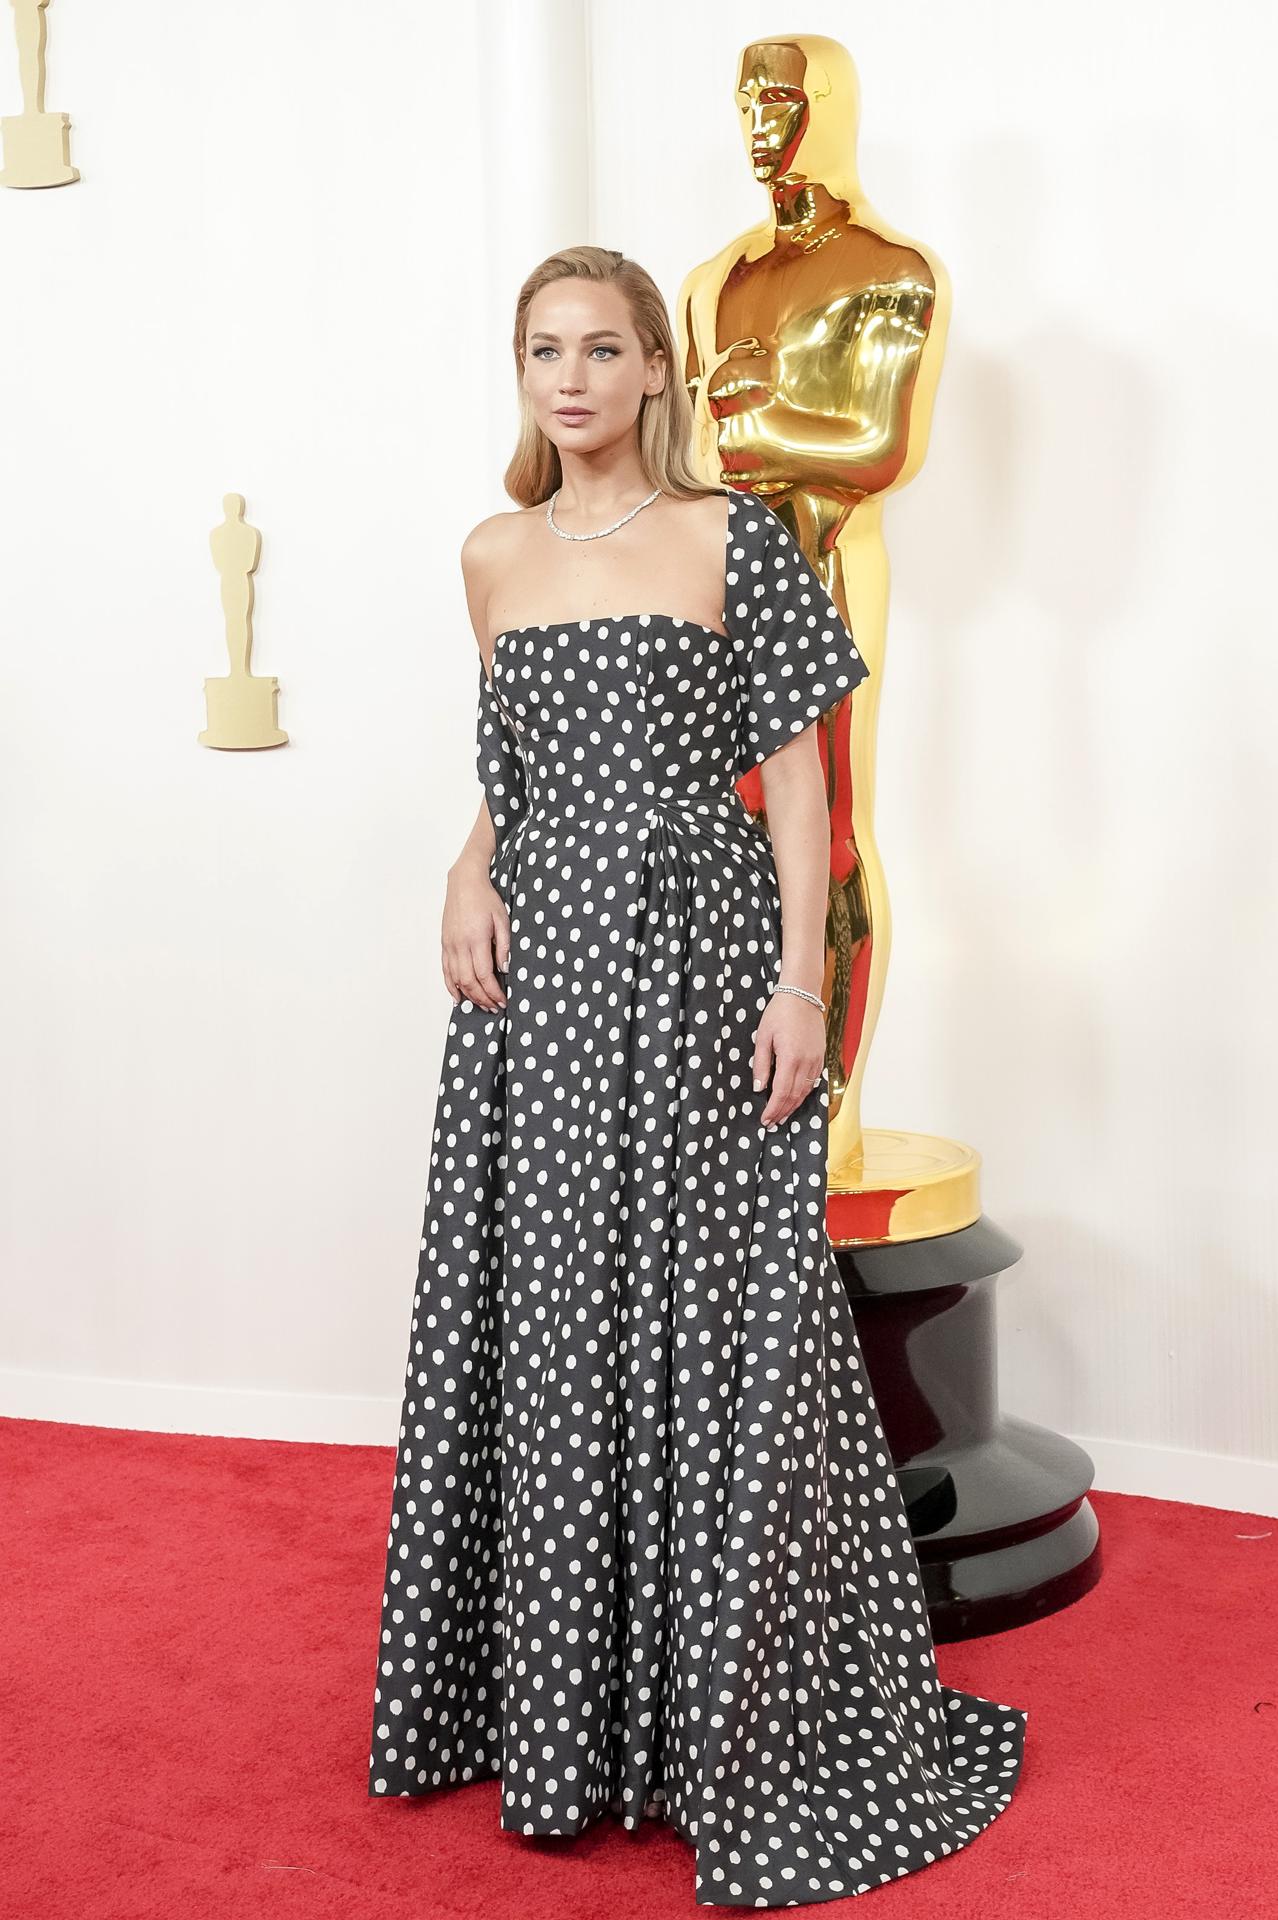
[790, 1043]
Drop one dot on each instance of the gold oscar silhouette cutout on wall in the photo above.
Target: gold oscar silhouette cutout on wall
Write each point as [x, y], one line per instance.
[242, 707]
[811, 346]
[37, 145]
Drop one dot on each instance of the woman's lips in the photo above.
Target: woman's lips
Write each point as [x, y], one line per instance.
[573, 413]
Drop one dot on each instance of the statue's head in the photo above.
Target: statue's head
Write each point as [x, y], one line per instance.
[800, 92]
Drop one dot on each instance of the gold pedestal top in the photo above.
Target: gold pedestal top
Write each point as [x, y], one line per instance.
[903, 1186]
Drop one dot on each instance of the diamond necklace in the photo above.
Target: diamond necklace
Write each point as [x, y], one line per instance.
[550, 518]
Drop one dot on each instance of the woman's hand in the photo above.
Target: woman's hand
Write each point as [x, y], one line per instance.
[790, 1044]
[475, 927]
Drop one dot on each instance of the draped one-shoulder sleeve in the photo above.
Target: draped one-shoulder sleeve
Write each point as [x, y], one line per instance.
[499, 763]
[797, 657]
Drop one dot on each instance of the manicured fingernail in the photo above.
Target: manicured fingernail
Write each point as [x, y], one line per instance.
[758, 1086]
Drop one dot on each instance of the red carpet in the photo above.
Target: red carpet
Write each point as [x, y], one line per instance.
[189, 1639]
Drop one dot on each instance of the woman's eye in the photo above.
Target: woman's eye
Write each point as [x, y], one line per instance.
[608, 350]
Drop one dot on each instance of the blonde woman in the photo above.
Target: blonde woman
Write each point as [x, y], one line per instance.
[647, 1553]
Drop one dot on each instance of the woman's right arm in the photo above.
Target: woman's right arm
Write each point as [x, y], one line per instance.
[475, 930]
[476, 926]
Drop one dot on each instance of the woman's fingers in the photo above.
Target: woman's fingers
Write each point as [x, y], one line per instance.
[469, 974]
[478, 981]
[793, 1079]
[761, 1059]
[501, 939]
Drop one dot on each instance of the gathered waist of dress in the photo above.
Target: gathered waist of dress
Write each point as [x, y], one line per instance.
[706, 822]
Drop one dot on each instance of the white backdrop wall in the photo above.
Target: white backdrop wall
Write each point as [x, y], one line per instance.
[289, 271]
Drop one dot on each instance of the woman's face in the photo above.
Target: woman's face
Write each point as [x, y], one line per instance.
[584, 368]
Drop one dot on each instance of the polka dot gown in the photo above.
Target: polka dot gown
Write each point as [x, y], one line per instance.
[647, 1552]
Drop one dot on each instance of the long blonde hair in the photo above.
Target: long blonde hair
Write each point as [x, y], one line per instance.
[665, 419]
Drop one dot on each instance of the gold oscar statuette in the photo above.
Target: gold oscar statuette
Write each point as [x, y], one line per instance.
[37, 144]
[811, 346]
[242, 707]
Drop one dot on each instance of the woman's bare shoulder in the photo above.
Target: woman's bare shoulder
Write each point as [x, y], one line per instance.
[487, 553]
[489, 542]
[492, 531]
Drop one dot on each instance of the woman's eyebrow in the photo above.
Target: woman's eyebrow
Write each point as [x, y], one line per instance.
[599, 333]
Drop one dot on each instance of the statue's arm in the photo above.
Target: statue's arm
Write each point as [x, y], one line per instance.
[843, 407]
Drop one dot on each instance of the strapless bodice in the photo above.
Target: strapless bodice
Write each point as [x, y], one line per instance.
[612, 714]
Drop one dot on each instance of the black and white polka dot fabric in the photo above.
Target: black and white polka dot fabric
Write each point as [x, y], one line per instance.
[647, 1552]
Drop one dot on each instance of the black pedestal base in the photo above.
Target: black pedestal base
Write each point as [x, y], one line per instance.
[997, 1506]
